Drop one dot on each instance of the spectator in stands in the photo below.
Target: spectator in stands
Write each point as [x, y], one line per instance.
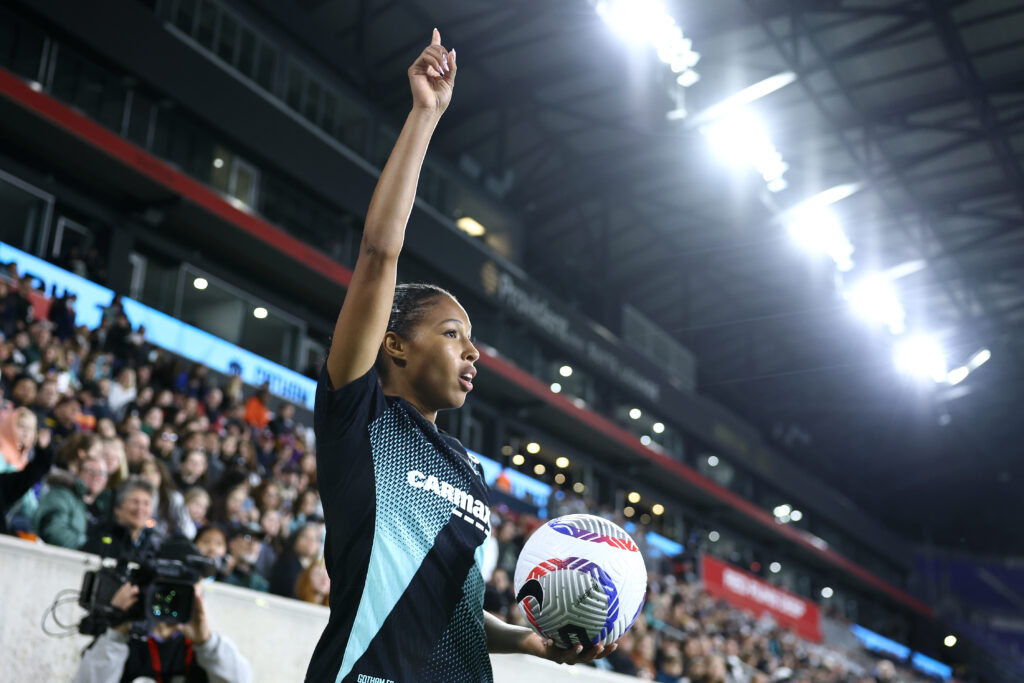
[14, 484]
[122, 392]
[170, 516]
[62, 517]
[63, 420]
[23, 391]
[17, 437]
[192, 471]
[257, 414]
[307, 508]
[313, 584]
[499, 596]
[303, 548]
[244, 546]
[212, 543]
[192, 651]
[137, 450]
[197, 502]
[128, 534]
[284, 423]
[117, 460]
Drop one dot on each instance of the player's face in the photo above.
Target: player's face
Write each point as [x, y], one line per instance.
[441, 356]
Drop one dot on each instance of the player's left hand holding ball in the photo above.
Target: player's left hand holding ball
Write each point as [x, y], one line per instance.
[533, 644]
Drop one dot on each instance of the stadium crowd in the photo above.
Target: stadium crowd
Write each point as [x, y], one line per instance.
[111, 445]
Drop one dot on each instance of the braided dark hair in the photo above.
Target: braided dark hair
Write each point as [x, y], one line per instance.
[409, 307]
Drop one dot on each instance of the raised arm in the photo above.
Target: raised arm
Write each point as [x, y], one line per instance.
[364, 316]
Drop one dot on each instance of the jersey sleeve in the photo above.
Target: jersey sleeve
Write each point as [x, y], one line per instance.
[339, 415]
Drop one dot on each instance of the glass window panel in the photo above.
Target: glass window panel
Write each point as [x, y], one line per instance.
[185, 15]
[139, 119]
[228, 38]
[265, 67]
[247, 53]
[207, 25]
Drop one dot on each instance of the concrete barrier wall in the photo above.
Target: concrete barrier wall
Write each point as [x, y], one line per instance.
[276, 634]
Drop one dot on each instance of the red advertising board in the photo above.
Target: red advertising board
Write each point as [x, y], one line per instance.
[746, 592]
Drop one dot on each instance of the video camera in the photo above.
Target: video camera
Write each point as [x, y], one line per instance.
[166, 591]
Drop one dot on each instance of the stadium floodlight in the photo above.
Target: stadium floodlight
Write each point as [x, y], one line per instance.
[775, 567]
[657, 508]
[533, 448]
[949, 641]
[579, 487]
[979, 359]
[957, 375]
[782, 510]
[633, 497]
[816, 228]
[658, 427]
[921, 357]
[555, 387]
[539, 468]
[712, 461]
[259, 312]
[648, 21]
[565, 371]
[826, 592]
[562, 462]
[518, 459]
[741, 140]
[796, 515]
[635, 413]
[470, 226]
[200, 283]
[875, 299]
[713, 536]
[741, 99]
[645, 440]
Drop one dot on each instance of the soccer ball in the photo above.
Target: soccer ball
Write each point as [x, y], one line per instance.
[580, 580]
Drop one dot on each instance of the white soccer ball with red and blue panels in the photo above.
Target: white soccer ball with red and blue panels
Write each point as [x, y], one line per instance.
[580, 579]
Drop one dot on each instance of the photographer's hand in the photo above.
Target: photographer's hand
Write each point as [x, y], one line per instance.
[198, 629]
[124, 599]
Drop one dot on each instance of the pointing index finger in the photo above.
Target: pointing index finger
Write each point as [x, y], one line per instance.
[436, 38]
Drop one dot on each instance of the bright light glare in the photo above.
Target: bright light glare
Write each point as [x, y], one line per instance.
[470, 226]
[533, 447]
[713, 461]
[921, 357]
[562, 462]
[218, 163]
[645, 440]
[559, 478]
[782, 510]
[875, 299]
[796, 515]
[200, 283]
[565, 371]
[578, 487]
[714, 536]
[744, 97]
[259, 312]
[826, 592]
[741, 140]
[817, 229]
[979, 359]
[949, 640]
[635, 414]
[775, 567]
[539, 468]
[633, 497]
[555, 387]
[647, 21]
[957, 375]
[628, 511]
[518, 459]
[657, 508]
[657, 428]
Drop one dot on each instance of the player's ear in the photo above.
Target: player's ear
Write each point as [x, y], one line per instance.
[395, 348]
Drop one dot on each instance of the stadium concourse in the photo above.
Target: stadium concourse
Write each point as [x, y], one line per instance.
[223, 457]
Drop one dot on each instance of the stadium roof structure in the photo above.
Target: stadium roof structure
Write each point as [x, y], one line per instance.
[917, 106]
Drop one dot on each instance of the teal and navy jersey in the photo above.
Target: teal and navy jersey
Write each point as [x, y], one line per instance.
[407, 514]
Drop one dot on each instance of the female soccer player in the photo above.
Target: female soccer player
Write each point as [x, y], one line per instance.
[406, 506]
